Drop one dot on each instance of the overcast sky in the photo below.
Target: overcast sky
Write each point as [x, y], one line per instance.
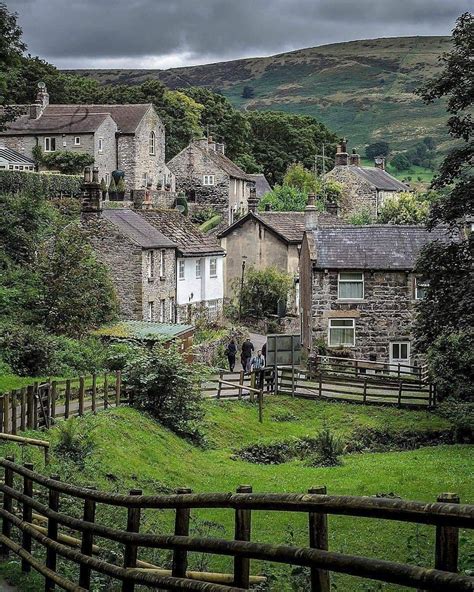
[169, 33]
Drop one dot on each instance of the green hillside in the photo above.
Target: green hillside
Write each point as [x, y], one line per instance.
[362, 89]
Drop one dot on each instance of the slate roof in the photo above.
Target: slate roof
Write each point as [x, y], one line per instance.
[78, 119]
[262, 186]
[137, 229]
[190, 241]
[382, 180]
[15, 157]
[388, 247]
[224, 163]
[144, 330]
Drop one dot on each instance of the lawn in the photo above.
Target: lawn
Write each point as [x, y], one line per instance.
[131, 450]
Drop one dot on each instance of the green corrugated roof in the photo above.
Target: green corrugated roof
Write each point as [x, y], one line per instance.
[143, 330]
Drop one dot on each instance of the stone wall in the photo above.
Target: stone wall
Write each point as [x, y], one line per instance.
[159, 288]
[358, 194]
[107, 160]
[386, 314]
[151, 164]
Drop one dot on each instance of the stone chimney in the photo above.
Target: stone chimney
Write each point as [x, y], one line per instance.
[41, 102]
[311, 213]
[91, 194]
[252, 201]
[354, 159]
[342, 158]
[220, 148]
[211, 143]
[380, 162]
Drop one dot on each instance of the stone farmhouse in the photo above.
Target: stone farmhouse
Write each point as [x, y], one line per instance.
[359, 290]
[10, 160]
[210, 179]
[163, 268]
[364, 188]
[130, 138]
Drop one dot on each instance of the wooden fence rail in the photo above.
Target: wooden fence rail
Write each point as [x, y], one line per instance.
[20, 491]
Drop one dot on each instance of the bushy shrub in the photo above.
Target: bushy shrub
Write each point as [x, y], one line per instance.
[74, 443]
[46, 184]
[369, 439]
[405, 209]
[118, 355]
[260, 453]
[203, 215]
[361, 218]
[67, 162]
[166, 386]
[461, 415]
[73, 356]
[29, 351]
[326, 449]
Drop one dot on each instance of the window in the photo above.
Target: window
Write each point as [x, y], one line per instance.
[341, 332]
[49, 144]
[172, 309]
[198, 268]
[151, 311]
[421, 286]
[150, 264]
[162, 310]
[101, 145]
[181, 269]
[213, 267]
[208, 180]
[77, 141]
[400, 351]
[162, 263]
[350, 286]
[144, 180]
[212, 306]
[151, 143]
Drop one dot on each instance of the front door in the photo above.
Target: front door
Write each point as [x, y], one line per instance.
[400, 354]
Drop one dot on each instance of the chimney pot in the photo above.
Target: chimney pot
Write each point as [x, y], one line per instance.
[252, 201]
[311, 213]
[354, 158]
[95, 174]
[380, 162]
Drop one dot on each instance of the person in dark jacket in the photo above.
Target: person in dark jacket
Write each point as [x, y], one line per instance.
[231, 352]
[246, 355]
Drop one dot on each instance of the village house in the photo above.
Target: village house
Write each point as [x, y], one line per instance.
[364, 188]
[359, 290]
[130, 138]
[163, 268]
[211, 180]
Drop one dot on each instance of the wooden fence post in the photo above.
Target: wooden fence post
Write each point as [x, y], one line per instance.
[54, 394]
[181, 528]
[81, 396]
[51, 556]
[400, 388]
[320, 383]
[29, 406]
[94, 393]
[118, 387]
[35, 405]
[27, 513]
[447, 540]
[219, 385]
[1, 415]
[364, 396]
[23, 410]
[318, 539]
[260, 405]
[106, 391]
[243, 525]
[6, 413]
[67, 401]
[241, 381]
[87, 542]
[252, 385]
[7, 506]
[13, 410]
[131, 549]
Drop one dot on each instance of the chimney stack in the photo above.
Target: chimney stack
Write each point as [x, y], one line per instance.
[211, 143]
[311, 213]
[252, 201]
[220, 147]
[380, 162]
[342, 158]
[41, 102]
[354, 158]
[91, 194]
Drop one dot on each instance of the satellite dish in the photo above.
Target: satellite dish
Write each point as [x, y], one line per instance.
[180, 208]
[41, 85]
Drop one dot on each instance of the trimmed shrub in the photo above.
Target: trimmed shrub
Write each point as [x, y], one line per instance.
[47, 184]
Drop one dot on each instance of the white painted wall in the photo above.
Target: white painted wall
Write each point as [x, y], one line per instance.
[204, 288]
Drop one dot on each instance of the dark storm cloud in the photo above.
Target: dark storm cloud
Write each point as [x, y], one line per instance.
[91, 33]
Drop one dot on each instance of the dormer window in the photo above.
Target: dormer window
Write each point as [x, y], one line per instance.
[151, 143]
[208, 180]
[350, 285]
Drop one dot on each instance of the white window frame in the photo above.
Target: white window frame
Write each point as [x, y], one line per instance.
[181, 269]
[208, 180]
[341, 280]
[48, 142]
[162, 263]
[198, 269]
[162, 310]
[331, 327]
[150, 264]
[398, 360]
[422, 285]
[152, 144]
[77, 140]
[213, 267]
[151, 310]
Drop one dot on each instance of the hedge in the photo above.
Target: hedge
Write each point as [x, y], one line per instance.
[50, 185]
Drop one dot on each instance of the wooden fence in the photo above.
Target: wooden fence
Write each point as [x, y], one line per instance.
[38, 405]
[25, 491]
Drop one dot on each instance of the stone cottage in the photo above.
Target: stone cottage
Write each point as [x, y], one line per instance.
[364, 188]
[210, 179]
[358, 288]
[130, 138]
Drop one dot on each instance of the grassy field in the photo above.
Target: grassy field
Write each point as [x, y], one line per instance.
[131, 450]
[418, 174]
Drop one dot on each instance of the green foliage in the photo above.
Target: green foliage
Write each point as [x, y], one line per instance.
[203, 214]
[67, 162]
[167, 387]
[283, 198]
[29, 351]
[248, 164]
[45, 184]
[328, 449]
[248, 92]
[461, 415]
[211, 223]
[400, 161]
[103, 185]
[407, 208]
[75, 443]
[262, 291]
[300, 178]
[112, 186]
[361, 218]
[182, 201]
[121, 186]
[451, 360]
[377, 149]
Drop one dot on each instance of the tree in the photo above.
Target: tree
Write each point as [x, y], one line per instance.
[446, 315]
[404, 209]
[377, 149]
[283, 198]
[401, 162]
[248, 92]
[300, 178]
[262, 291]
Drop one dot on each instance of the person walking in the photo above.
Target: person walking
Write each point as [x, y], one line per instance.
[246, 355]
[257, 364]
[230, 352]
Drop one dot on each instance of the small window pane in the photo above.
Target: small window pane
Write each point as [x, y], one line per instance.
[349, 276]
[396, 351]
[404, 351]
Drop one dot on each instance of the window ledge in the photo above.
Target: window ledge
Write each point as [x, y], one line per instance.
[213, 276]
[151, 280]
[351, 300]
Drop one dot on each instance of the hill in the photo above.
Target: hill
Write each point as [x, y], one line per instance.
[362, 89]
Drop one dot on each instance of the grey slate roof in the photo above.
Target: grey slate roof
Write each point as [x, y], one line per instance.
[382, 180]
[78, 119]
[262, 186]
[387, 247]
[136, 228]
[15, 157]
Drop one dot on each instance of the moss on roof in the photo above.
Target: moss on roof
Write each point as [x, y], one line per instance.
[143, 330]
